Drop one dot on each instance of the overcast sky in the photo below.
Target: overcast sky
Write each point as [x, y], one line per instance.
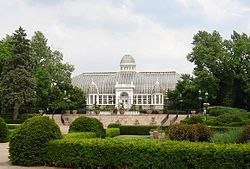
[94, 34]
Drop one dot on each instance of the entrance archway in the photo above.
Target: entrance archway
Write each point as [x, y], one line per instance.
[124, 98]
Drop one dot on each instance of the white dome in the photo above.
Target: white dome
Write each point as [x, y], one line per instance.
[127, 60]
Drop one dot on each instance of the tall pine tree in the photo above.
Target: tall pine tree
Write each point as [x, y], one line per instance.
[17, 81]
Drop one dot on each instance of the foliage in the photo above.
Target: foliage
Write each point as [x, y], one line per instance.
[220, 110]
[194, 119]
[112, 132]
[114, 125]
[225, 63]
[80, 135]
[27, 143]
[87, 124]
[229, 136]
[245, 135]
[226, 119]
[143, 153]
[138, 130]
[24, 117]
[195, 132]
[17, 82]
[4, 132]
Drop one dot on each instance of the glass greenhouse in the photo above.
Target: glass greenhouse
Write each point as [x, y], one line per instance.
[127, 87]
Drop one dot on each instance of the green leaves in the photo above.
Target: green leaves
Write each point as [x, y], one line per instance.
[107, 153]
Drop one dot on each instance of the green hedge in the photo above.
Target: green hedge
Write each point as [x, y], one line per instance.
[112, 132]
[87, 124]
[114, 125]
[220, 110]
[138, 130]
[112, 153]
[221, 128]
[28, 141]
[4, 132]
[80, 135]
[12, 126]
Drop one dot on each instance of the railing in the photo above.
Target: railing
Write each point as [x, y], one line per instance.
[165, 119]
[174, 119]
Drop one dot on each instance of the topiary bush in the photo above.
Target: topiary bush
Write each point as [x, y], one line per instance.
[4, 132]
[87, 124]
[27, 143]
[112, 132]
[220, 110]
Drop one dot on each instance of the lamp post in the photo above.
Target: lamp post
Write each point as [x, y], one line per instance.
[181, 101]
[200, 98]
[206, 104]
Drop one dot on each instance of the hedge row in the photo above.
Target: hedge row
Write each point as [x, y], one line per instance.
[112, 132]
[138, 130]
[80, 135]
[112, 153]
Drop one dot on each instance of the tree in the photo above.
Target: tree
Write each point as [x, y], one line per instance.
[222, 67]
[52, 77]
[17, 81]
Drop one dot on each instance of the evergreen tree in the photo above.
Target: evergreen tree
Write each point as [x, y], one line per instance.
[17, 82]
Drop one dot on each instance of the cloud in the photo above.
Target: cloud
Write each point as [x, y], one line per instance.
[94, 35]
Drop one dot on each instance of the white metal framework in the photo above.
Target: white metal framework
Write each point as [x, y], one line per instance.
[126, 86]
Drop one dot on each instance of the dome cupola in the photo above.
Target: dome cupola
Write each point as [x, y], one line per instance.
[127, 63]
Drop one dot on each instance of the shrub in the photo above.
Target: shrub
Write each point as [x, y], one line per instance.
[138, 130]
[4, 132]
[115, 153]
[80, 135]
[230, 136]
[195, 132]
[245, 135]
[87, 124]
[112, 132]
[27, 143]
[226, 119]
[194, 119]
[203, 132]
[220, 110]
[181, 132]
[114, 125]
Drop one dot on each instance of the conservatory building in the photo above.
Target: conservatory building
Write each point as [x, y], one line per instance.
[126, 86]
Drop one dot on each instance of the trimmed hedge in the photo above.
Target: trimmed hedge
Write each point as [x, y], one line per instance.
[112, 132]
[194, 119]
[4, 132]
[114, 125]
[80, 135]
[87, 124]
[27, 142]
[139, 130]
[113, 153]
[220, 110]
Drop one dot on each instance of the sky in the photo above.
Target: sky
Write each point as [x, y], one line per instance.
[93, 35]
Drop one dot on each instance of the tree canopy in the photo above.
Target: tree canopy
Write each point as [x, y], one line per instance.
[222, 69]
[33, 76]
